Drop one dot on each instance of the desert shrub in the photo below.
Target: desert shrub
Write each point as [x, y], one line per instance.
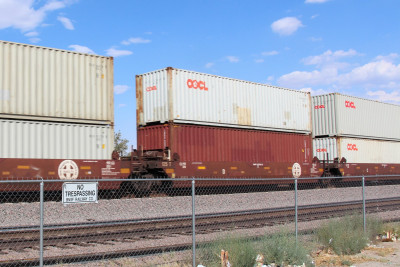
[346, 236]
[241, 252]
[282, 247]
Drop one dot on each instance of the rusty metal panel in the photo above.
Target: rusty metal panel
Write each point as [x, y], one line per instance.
[357, 150]
[39, 83]
[196, 143]
[47, 140]
[348, 116]
[190, 97]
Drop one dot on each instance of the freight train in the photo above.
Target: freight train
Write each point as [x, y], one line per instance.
[57, 123]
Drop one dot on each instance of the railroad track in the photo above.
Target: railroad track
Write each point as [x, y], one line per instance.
[88, 234]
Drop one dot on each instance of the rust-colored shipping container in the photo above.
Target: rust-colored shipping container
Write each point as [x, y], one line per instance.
[229, 152]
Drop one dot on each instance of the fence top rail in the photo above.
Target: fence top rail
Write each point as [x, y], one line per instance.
[53, 180]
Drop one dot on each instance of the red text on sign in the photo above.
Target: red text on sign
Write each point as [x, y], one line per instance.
[352, 147]
[319, 107]
[321, 150]
[196, 84]
[151, 88]
[349, 104]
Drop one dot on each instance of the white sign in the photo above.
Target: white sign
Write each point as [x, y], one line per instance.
[68, 170]
[296, 170]
[84, 192]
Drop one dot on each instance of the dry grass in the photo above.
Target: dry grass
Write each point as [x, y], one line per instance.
[329, 258]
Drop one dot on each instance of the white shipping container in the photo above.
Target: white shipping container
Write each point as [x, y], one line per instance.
[357, 150]
[40, 83]
[191, 97]
[341, 115]
[45, 140]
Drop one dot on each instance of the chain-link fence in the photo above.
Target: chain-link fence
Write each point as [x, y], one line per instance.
[188, 222]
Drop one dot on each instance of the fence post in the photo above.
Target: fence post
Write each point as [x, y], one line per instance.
[295, 207]
[364, 212]
[193, 224]
[41, 222]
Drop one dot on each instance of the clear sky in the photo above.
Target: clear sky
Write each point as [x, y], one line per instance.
[346, 46]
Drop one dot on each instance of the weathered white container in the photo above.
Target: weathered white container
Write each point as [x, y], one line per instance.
[357, 150]
[341, 115]
[191, 97]
[34, 139]
[40, 83]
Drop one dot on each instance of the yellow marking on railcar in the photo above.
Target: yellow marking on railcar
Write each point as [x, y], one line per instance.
[22, 167]
[321, 170]
[201, 167]
[289, 168]
[267, 168]
[125, 170]
[233, 168]
[6, 173]
[169, 171]
[85, 167]
[242, 172]
[376, 168]
[357, 168]
[51, 173]
[103, 146]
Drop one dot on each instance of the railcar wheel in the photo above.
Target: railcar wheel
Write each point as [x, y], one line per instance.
[143, 188]
[326, 181]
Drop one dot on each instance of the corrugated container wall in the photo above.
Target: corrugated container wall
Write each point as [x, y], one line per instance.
[341, 115]
[219, 144]
[357, 150]
[39, 83]
[190, 97]
[30, 139]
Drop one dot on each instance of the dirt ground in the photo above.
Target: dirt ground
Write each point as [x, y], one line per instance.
[380, 254]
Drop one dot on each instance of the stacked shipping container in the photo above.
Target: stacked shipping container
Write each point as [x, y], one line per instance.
[360, 130]
[206, 118]
[55, 103]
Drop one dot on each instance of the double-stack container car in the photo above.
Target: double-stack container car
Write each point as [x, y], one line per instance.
[222, 127]
[56, 113]
[364, 132]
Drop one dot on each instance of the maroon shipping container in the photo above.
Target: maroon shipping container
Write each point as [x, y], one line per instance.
[229, 152]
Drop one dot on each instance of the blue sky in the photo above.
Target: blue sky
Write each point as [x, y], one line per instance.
[321, 46]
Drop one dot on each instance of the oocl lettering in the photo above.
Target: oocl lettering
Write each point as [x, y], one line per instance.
[151, 88]
[349, 104]
[352, 147]
[322, 150]
[197, 84]
[319, 106]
